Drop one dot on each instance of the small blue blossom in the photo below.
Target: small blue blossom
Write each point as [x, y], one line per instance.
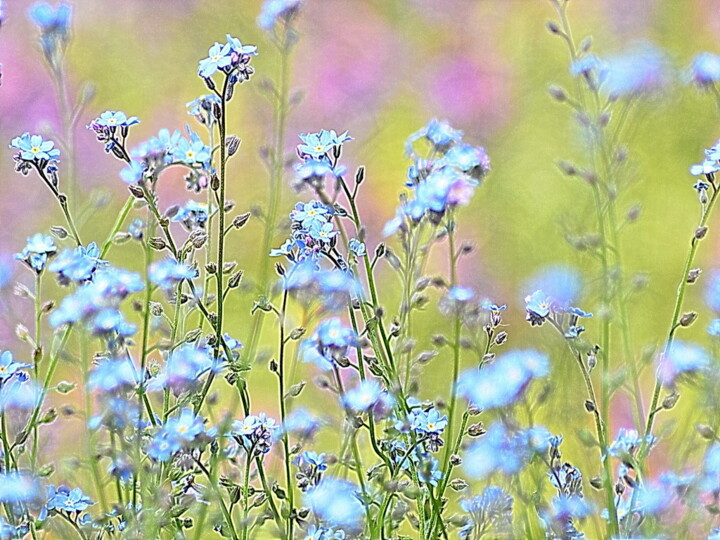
[472, 160]
[183, 369]
[203, 108]
[37, 251]
[365, 396]
[168, 273]
[314, 172]
[272, 10]
[335, 502]
[357, 247]
[112, 376]
[706, 69]
[133, 173]
[193, 151]
[441, 136]
[19, 393]
[682, 358]
[493, 508]
[54, 25]
[310, 214]
[222, 57]
[587, 65]
[637, 71]
[77, 265]
[499, 450]
[19, 488]
[8, 366]
[318, 145]
[255, 433]
[62, 498]
[711, 163]
[49, 19]
[324, 533]
[329, 343]
[36, 150]
[301, 423]
[505, 380]
[627, 443]
[714, 328]
[115, 119]
[185, 431]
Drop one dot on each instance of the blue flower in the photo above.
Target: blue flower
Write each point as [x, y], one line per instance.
[302, 423]
[334, 288]
[193, 151]
[335, 502]
[499, 450]
[640, 70]
[310, 214]
[49, 19]
[314, 172]
[357, 247]
[711, 163]
[35, 149]
[272, 10]
[19, 488]
[714, 328]
[561, 284]
[96, 303]
[627, 443]
[472, 160]
[324, 533]
[223, 56]
[218, 58]
[168, 273]
[682, 358]
[317, 145]
[504, 381]
[706, 69]
[111, 376]
[492, 508]
[588, 65]
[441, 136]
[37, 251]
[77, 265]
[8, 366]
[363, 397]
[20, 393]
[115, 119]
[203, 107]
[710, 480]
[66, 499]
[185, 431]
[255, 433]
[133, 173]
[183, 369]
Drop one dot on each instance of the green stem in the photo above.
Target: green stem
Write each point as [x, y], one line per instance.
[675, 320]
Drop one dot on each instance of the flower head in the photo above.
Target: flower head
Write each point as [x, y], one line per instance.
[37, 251]
[681, 358]
[335, 503]
[273, 10]
[705, 69]
[505, 380]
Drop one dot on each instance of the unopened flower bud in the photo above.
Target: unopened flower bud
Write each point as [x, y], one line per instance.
[240, 220]
[688, 318]
[233, 143]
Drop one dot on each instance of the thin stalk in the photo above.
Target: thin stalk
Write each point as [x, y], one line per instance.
[675, 320]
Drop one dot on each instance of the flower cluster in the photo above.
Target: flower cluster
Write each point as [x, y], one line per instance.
[313, 234]
[444, 180]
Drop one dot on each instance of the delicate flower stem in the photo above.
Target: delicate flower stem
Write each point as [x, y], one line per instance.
[677, 313]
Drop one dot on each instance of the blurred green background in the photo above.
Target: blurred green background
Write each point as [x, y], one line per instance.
[381, 69]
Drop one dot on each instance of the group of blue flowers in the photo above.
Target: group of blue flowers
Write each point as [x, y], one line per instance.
[166, 453]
